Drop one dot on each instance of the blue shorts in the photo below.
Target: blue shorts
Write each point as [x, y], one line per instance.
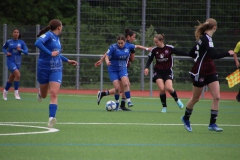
[12, 66]
[117, 75]
[45, 76]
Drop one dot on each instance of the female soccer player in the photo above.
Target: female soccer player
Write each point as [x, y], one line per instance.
[237, 50]
[13, 49]
[163, 73]
[130, 38]
[49, 73]
[204, 72]
[116, 60]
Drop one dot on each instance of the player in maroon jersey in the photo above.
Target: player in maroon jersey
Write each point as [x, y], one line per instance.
[204, 72]
[163, 73]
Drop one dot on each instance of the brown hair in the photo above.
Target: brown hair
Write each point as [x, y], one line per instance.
[202, 27]
[19, 36]
[121, 37]
[129, 32]
[53, 24]
[159, 37]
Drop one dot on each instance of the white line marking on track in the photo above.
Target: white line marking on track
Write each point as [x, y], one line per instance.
[51, 130]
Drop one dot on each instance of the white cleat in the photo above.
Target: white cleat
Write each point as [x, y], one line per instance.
[4, 95]
[17, 96]
[52, 121]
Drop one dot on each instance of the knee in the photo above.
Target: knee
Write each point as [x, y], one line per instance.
[217, 98]
[53, 94]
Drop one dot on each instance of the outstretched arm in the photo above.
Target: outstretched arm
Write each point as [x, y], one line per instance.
[99, 62]
[143, 48]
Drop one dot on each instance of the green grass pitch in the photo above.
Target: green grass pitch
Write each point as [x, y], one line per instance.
[87, 131]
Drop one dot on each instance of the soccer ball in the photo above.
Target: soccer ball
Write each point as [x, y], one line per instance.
[111, 105]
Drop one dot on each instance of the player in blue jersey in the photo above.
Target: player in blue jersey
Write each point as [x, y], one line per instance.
[130, 38]
[13, 49]
[49, 71]
[116, 59]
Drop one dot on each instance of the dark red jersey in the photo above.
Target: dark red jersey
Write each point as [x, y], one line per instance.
[204, 53]
[163, 57]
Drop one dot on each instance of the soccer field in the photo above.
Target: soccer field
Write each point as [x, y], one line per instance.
[87, 131]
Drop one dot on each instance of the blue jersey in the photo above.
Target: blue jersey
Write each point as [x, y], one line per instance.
[119, 56]
[47, 43]
[11, 47]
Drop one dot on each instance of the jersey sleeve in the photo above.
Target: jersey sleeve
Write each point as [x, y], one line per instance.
[237, 48]
[24, 48]
[40, 41]
[150, 59]
[110, 51]
[4, 48]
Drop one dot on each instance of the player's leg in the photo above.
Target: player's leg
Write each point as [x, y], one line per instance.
[215, 92]
[16, 83]
[162, 94]
[55, 80]
[173, 93]
[197, 91]
[101, 94]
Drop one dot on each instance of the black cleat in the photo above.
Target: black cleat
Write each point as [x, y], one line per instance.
[125, 109]
[99, 97]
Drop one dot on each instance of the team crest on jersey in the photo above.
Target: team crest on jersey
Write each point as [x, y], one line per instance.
[157, 53]
[126, 50]
[166, 51]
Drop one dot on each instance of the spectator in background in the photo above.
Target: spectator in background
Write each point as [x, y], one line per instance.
[13, 49]
[204, 72]
[163, 73]
[130, 38]
[237, 50]
[49, 71]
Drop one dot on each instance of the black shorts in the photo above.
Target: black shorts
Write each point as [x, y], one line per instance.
[162, 74]
[204, 80]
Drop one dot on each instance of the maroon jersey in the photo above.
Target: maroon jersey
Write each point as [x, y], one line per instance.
[204, 54]
[163, 57]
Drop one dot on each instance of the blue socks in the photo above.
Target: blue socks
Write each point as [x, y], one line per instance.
[8, 85]
[52, 110]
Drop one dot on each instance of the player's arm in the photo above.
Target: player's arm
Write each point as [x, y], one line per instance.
[177, 52]
[236, 60]
[149, 61]
[215, 55]
[143, 48]
[24, 48]
[99, 62]
[236, 50]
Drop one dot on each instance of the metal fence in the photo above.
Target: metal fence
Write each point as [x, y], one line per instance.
[95, 31]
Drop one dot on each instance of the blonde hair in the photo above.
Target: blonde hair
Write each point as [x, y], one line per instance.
[202, 27]
[159, 37]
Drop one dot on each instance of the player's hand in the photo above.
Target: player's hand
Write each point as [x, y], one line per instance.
[19, 48]
[231, 52]
[54, 53]
[108, 63]
[9, 54]
[98, 63]
[150, 49]
[145, 71]
[72, 62]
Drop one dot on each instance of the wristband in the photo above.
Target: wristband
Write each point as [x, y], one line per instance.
[147, 49]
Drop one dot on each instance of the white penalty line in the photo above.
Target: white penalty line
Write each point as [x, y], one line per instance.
[97, 123]
[46, 129]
